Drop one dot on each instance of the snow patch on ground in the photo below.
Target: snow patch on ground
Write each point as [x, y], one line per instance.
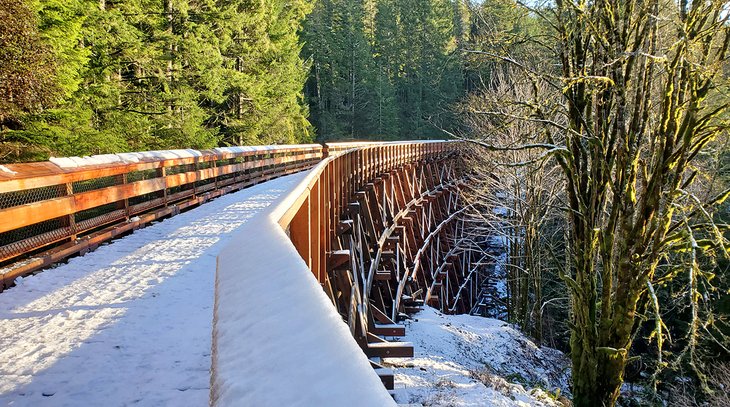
[129, 324]
[463, 360]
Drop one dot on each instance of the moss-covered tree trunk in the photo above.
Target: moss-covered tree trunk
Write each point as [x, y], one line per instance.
[637, 116]
[638, 98]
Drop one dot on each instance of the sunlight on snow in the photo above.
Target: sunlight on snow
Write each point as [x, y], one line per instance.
[49, 316]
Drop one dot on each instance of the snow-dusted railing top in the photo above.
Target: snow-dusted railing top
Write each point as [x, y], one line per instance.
[69, 205]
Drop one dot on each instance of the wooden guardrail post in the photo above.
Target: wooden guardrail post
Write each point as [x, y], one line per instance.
[214, 166]
[124, 203]
[162, 174]
[299, 232]
[315, 227]
[70, 219]
[195, 172]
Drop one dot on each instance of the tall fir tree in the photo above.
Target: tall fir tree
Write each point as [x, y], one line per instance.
[155, 74]
[382, 69]
[264, 99]
[342, 90]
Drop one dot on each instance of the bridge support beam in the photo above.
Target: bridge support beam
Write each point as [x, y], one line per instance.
[379, 229]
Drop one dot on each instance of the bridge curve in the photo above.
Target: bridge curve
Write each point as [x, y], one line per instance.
[129, 323]
[375, 224]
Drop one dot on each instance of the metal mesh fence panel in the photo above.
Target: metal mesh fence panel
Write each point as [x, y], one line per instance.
[17, 198]
[94, 212]
[97, 183]
[100, 215]
[22, 240]
[142, 175]
[145, 202]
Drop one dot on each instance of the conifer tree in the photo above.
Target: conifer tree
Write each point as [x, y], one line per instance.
[383, 69]
[153, 74]
[27, 65]
[344, 71]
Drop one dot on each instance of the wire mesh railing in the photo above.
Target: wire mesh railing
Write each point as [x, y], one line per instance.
[51, 210]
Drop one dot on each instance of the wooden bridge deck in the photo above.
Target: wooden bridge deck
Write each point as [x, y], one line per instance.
[129, 324]
[375, 224]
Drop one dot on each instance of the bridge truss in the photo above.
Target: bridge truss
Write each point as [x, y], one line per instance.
[381, 229]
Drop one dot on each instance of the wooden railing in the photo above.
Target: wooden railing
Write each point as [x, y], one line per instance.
[313, 220]
[51, 210]
[316, 220]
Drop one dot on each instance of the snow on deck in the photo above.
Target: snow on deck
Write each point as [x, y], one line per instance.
[278, 340]
[129, 324]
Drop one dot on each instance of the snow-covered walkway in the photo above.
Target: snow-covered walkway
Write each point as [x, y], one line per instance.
[129, 324]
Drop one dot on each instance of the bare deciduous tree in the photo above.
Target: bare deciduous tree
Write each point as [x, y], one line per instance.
[628, 118]
[521, 192]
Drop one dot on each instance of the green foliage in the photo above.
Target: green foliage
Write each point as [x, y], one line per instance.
[151, 74]
[383, 68]
[61, 23]
[260, 43]
[27, 65]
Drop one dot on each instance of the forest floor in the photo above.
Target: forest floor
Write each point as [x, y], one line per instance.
[463, 360]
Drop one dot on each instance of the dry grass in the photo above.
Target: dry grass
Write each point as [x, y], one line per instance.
[492, 380]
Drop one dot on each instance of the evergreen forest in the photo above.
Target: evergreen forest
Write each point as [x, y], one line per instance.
[86, 77]
[81, 77]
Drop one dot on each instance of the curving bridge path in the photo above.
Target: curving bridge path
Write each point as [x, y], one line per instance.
[129, 324]
[240, 301]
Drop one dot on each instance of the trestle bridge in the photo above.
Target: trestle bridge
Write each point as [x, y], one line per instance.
[376, 224]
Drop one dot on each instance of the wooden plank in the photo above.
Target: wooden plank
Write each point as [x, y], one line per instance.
[389, 350]
[388, 330]
[380, 316]
[383, 275]
[338, 260]
[32, 213]
[299, 232]
[314, 233]
[28, 214]
[55, 255]
[372, 338]
[344, 227]
[387, 377]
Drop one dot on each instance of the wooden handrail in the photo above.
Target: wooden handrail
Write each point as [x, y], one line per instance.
[69, 205]
[24, 176]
